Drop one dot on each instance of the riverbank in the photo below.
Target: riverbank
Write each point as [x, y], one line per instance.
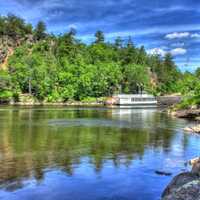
[191, 114]
[57, 104]
[27, 100]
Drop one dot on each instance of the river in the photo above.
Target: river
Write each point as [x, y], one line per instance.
[74, 153]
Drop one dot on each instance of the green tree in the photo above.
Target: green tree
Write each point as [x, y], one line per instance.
[118, 43]
[136, 78]
[5, 87]
[99, 35]
[61, 68]
[40, 31]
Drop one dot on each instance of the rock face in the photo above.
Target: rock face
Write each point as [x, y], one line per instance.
[185, 186]
[7, 46]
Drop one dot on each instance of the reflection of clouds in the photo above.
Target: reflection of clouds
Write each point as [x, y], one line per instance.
[89, 123]
[138, 118]
[142, 112]
[121, 118]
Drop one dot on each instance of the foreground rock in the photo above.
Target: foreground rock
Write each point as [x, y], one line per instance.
[194, 129]
[185, 186]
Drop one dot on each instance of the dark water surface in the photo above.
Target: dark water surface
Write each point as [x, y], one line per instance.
[59, 153]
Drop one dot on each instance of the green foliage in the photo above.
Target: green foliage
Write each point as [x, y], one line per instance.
[189, 102]
[62, 68]
[89, 100]
[5, 91]
[189, 86]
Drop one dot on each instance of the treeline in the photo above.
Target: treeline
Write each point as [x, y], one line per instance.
[60, 68]
[16, 28]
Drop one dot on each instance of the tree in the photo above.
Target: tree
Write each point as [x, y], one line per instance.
[136, 77]
[197, 72]
[130, 42]
[129, 53]
[141, 56]
[40, 31]
[14, 26]
[67, 47]
[2, 25]
[118, 43]
[61, 68]
[5, 87]
[99, 37]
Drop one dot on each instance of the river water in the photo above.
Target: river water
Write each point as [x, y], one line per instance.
[61, 153]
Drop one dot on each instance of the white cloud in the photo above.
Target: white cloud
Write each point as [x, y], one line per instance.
[72, 26]
[162, 52]
[174, 8]
[181, 35]
[177, 35]
[195, 35]
[178, 44]
[178, 51]
[157, 51]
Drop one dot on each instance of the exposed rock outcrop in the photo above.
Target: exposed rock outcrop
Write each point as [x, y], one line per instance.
[7, 46]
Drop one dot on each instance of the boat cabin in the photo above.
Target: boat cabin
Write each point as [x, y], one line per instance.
[136, 99]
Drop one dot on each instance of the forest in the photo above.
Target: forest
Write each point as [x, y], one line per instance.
[61, 68]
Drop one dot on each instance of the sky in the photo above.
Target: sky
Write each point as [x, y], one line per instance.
[160, 25]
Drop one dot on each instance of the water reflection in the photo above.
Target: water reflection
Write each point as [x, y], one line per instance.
[35, 141]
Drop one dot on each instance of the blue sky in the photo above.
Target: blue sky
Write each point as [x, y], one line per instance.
[160, 25]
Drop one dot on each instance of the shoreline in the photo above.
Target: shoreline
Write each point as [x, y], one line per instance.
[55, 104]
[190, 114]
[163, 102]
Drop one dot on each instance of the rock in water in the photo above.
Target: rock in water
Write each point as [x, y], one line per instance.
[194, 161]
[185, 186]
[163, 173]
[191, 113]
[196, 166]
[195, 129]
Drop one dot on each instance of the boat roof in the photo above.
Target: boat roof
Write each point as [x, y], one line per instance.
[134, 96]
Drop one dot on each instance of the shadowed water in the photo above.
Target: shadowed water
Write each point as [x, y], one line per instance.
[49, 153]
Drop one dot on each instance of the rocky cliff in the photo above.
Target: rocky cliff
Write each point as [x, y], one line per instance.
[7, 46]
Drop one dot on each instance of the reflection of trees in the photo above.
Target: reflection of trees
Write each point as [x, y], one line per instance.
[28, 145]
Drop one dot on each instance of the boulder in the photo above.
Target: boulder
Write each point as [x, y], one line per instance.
[194, 129]
[185, 186]
[188, 191]
[190, 113]
[197, 118]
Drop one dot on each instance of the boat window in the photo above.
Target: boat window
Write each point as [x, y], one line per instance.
[142, 99]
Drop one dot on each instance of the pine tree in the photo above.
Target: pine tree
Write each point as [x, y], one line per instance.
[99, 37]
[40, 31]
